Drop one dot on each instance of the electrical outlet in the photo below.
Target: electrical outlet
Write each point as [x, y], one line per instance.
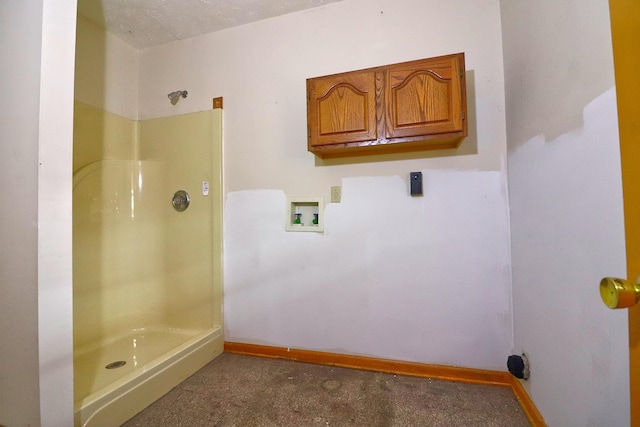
[336, 194]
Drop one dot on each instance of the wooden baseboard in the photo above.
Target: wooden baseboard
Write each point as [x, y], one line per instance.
[449, 373]
[529, 408]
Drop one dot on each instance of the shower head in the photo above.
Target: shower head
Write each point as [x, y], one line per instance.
[174, 97]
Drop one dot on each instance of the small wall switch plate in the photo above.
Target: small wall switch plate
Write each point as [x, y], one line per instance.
[205, 188]
[415, 179]
[336, 194]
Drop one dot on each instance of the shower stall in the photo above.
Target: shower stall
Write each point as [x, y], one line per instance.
[147, 285]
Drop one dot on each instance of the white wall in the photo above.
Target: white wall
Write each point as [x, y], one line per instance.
[37, 48]
[55, 158]
[422, 279]
[20, 47]
[566, 209]
[106, 71]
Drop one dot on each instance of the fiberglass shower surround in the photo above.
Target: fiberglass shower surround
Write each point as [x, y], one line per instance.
[147, 280]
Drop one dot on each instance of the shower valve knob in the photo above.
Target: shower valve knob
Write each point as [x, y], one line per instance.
[180, 200]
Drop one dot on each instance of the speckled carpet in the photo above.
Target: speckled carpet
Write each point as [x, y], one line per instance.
[246, 391]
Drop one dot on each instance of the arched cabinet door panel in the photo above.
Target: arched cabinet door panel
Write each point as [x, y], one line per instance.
[424, 98]
[342, 108]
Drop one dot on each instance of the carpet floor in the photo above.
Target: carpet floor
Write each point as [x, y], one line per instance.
[235, 390]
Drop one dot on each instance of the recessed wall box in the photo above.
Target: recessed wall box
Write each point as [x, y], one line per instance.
[305, 214]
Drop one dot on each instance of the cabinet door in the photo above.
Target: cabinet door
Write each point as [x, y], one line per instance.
[426, 97]
[342, 108]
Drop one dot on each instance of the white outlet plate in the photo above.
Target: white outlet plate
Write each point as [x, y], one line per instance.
[336, 194]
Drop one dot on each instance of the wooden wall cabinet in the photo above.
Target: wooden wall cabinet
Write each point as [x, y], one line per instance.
[410, 106]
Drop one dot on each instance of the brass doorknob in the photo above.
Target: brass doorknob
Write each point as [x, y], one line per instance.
[619, 293]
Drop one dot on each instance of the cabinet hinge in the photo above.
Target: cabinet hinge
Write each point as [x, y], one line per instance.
[308, 96]
[308, 131]
[462, 114]
[461, 73]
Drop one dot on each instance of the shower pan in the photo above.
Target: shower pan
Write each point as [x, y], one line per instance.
[147, 277]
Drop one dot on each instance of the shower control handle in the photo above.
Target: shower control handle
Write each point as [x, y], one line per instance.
[180, 200]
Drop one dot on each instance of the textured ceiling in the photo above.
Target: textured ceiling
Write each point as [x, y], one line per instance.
[146, 23]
